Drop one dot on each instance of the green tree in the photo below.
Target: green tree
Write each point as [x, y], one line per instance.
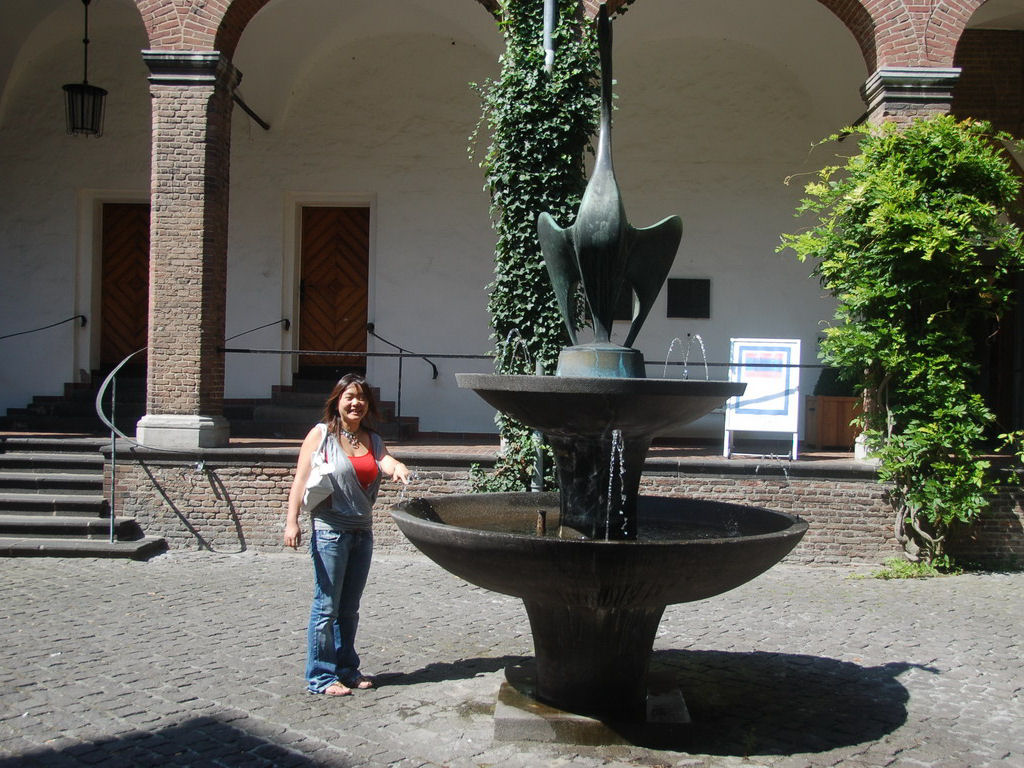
[540, 125]
[914, 241]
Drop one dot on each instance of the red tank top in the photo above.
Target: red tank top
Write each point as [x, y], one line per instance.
[365, 467]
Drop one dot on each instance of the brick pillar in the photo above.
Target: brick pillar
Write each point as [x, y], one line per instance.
[192, 99]
[902, 94]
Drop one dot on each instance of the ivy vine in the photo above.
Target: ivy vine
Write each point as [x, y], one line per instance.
[540, 126]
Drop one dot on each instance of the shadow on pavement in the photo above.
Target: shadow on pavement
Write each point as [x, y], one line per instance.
[776, 704]
[462, 669]
[203, 741]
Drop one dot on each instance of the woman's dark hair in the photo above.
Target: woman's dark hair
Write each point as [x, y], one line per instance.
[331, 416]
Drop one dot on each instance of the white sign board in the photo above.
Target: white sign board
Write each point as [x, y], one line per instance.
[770, 368]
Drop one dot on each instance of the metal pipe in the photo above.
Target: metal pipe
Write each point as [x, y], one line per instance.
[549, 26]
[113, 458]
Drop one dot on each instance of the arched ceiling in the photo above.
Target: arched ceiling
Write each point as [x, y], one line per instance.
[30, 28]
[288, 37]
[306, 26]
[999, 14]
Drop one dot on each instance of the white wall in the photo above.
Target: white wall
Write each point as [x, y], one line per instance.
[52, 183]
[365, 121]
[719, 101]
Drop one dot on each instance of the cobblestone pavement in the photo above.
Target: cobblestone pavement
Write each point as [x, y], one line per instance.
[195, 659]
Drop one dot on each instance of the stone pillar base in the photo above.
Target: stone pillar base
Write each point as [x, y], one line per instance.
[182, 432]
[907, 93]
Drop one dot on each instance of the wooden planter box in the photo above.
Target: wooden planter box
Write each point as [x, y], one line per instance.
[827, 421]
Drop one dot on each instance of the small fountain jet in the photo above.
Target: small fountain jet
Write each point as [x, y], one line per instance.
[600, 250]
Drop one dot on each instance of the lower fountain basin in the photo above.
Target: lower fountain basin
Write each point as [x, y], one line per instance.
[594, 606]
[687, 549]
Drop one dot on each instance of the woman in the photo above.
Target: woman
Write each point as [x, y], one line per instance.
[341, 541]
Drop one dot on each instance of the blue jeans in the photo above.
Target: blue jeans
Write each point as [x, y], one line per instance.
[341, 563]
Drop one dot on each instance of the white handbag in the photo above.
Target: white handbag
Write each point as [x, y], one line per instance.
[318, 484]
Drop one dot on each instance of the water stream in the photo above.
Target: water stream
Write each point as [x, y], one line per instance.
[691, 338]
[616, 460]
[518, 343]
[775, 460]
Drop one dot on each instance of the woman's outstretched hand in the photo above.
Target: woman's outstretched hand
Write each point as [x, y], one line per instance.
[292, 535]
[394, 469]
[401, 473]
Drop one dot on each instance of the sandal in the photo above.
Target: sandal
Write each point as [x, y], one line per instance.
[337, 688]
[361, 682]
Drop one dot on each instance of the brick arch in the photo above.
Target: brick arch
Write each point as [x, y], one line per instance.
[902, 33]
[238, 15]
[946, 27]
[206, 25]
[197, 25]
[182, 25]
[859, 21]
[912, 34]
[854, 14]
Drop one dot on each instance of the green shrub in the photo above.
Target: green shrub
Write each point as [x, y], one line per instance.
[914, 241]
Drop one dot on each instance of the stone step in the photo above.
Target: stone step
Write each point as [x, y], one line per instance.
[139, 549]
[320, 386]
[267, 413]
[53, 504]
[284, 429]
[300, 399]
[86, 396]
[36, 526]
[288, 413]
[32, 443]
[65, 409]
[62, 462]
[287, 429]
[18, 419]
[58, 482]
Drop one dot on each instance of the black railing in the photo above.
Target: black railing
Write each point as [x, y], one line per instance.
[284, 322]
[370, 329]
[398, 399]
[400, 356]
[43, 328]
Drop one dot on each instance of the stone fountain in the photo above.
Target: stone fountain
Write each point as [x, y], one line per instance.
[597, 564]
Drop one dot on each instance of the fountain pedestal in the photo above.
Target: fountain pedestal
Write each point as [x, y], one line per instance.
[606, 673]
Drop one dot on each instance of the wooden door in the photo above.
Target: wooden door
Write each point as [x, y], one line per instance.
[124, 293]
[333, 291]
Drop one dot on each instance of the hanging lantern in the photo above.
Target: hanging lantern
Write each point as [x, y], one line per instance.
[83, 103]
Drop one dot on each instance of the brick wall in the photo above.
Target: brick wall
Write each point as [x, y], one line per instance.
[991, 85]
[228, 500]
[997, 539]
[231, 503]
[849, 521]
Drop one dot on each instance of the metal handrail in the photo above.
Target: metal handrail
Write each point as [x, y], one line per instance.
[114, 431]
[398, 396]
[284, 322]
[51, 325]
[370, 329]
[347, 353]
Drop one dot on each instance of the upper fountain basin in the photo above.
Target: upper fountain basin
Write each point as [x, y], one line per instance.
[577, 406]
